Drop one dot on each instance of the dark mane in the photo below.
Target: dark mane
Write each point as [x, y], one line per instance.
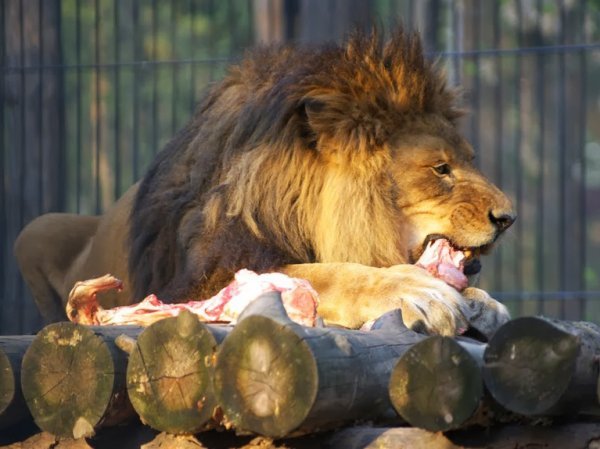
[191, 226]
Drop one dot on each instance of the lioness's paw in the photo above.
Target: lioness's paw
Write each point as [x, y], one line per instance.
[483, 312]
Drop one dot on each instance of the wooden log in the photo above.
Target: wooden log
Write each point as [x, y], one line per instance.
[45, 440]
[437, 383]
[73, 378]
[580, 435]
[170, 441]
[275, 377]
[539, 366]
[12, 404]
[566, 436]
[394, 437]
[169, 375]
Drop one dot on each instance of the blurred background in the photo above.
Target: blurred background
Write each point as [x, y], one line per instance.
[91, 90]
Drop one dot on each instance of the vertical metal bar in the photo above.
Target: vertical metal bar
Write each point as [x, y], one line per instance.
[211, 38]
[432, 32]
[563, 157]
[136, 91]
[475, 123]
[499, 128]
[155, 68]
[29, 311]
[175, 71]
[540, 106]
[64, 161]
[117, 121]
[97, 174]
[22, 164]
[457, 25]
[250, 21]
[192, 55]
[519, 159]
[231, 23]
[582, 157]
[78, 138]
[40, 175]
[3, 193]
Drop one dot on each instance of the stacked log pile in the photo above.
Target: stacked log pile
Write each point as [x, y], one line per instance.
[272, 379]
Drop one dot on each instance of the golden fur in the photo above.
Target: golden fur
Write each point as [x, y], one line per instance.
[335, 164]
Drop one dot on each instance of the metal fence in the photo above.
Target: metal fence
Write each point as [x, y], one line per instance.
[91, 90]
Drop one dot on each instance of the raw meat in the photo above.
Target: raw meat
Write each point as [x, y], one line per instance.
[299, 299]
[444, 261]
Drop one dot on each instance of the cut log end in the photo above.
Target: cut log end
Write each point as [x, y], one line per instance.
[436, 384]
[68, 378]
[169, 375]
[7, 383]
[12, 403]
[266, 377]
[529, 364]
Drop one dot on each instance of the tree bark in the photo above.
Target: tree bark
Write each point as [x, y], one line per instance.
[275, 377]
[540, 366]
[12, 404]
[169, 376]
[73, 379]
[437, 383]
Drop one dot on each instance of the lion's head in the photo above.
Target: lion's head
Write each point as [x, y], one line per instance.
[336, 154]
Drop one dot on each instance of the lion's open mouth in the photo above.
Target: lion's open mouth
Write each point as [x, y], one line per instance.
[450, 263]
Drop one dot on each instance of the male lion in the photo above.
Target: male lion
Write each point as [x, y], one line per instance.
[335, 164]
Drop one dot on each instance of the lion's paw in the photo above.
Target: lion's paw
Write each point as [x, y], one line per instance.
[483, 312]
[430, 305]
[427, 303]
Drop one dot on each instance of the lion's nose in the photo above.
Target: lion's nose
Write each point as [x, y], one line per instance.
[502, 219]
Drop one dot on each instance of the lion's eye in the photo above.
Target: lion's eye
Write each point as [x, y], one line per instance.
[442, 169]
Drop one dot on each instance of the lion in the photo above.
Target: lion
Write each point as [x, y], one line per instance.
[337, 164]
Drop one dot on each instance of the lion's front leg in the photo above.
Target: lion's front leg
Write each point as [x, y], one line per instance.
[353, 294]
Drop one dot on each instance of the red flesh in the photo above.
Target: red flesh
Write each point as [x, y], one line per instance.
[445, 262]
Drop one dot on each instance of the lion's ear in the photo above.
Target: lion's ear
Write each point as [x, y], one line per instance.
[350, 124]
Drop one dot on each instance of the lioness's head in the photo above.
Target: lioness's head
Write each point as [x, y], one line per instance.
[352, 154]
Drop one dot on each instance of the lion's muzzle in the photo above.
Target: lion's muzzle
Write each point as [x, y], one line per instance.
[502, 220]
